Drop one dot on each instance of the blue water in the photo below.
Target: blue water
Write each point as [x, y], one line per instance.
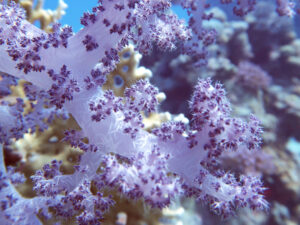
[75, 10]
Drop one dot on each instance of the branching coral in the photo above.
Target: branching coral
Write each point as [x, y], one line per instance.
[172, 160]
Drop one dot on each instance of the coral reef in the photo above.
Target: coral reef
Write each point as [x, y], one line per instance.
[85, 140]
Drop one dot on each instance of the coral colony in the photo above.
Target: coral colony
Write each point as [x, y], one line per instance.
[66, 72]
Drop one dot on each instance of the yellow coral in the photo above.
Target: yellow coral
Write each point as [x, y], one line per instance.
[41, 148]
[36, 12]
[127, 71]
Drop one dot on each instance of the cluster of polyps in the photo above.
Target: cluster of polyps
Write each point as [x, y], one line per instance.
[59, 66]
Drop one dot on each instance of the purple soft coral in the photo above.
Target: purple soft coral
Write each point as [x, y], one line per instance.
[135, 161]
